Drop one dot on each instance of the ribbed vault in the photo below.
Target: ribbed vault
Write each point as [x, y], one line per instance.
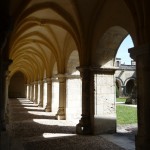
[46, 32]
[39, 39]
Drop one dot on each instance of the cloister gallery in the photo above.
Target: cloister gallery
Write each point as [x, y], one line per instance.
[60, 54]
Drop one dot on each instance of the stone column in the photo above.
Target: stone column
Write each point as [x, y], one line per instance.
[32, 94]
[6, 90]
[6, 98]
[3, 69]
[49, 95]
[84, 126]
[41, 94]
[142, 57]
[61, 114]
[36, 92]
[123, 90]
[44, 93]
[28, 89]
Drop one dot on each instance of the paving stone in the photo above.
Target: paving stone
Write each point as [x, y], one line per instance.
[39, 130]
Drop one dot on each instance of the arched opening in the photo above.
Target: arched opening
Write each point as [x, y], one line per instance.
[125, 65]
[119, 91]
[17, 86]
[129, 87]
[103, 57]
[126, 71]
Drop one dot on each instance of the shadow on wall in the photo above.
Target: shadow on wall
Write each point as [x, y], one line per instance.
[17, 87]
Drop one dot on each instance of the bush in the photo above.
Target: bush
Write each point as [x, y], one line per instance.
[117, 92]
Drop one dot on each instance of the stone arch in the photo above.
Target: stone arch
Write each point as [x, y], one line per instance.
[103, 59]
[107, 46]
[17, 86]
[119, 84]
[129, 84]
[72, 63]
[63, 19]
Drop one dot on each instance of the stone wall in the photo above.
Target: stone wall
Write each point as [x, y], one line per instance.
[73, 99]
[55, 96]
[104, 104]
[17, 86]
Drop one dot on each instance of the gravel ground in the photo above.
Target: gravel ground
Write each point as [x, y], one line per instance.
[38, 130]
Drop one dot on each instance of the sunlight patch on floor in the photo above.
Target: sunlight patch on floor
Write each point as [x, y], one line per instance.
[52, 135]
[39, 108]
[41, 113]
[54, 122]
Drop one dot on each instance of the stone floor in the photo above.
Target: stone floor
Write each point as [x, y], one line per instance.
[31, 128]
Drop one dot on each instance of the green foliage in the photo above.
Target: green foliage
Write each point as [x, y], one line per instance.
[117, 92]
[120, 99]
[126, 114]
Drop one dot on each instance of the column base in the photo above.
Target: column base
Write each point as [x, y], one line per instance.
[32, 100]
[40, 105]
[142, 142]
[83, 130]
[35, 102]
[61, 114]
[48, 109]
[60, 117]
[84, 126]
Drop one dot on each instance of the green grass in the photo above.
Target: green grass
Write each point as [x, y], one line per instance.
[120, 99]
[126, 115]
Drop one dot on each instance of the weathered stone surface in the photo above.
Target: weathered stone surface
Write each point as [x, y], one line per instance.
[73, 99]
[36, 129]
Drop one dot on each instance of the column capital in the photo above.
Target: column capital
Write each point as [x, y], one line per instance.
[36, 82]
[69, 76]
[84, 70]
[140, 50]
[40, 81]
[97, 69]
[81, 68]
[61, 77]
[32, 83]
[48, 80]
[44, 80]
[54, 79]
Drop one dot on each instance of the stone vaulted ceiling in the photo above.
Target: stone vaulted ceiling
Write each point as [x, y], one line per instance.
[40, 37]
[46, 32]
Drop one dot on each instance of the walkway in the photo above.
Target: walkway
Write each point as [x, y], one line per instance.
[30, 128]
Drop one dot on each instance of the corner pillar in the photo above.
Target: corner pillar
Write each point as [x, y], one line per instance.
[141, 55]
[84, 125]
